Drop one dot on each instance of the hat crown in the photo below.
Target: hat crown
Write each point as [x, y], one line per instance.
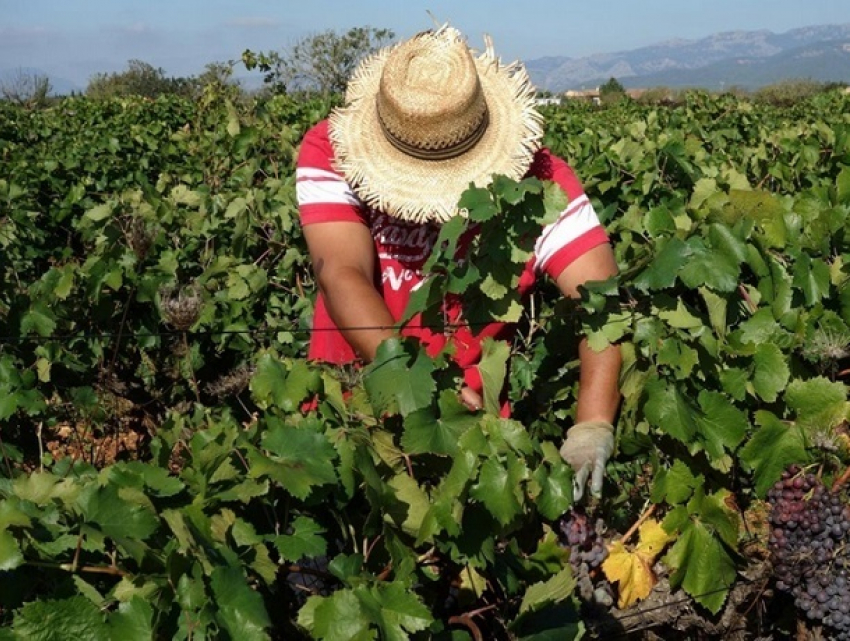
[430, 103]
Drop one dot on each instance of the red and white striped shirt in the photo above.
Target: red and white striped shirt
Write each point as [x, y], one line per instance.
[402, 249]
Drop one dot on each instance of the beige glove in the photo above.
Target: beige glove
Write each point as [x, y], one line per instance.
[587, 448]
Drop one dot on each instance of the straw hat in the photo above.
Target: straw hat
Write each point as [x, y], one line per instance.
[424, 118]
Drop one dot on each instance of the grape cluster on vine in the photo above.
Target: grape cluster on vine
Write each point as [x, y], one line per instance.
[587, 552]
[810, 532]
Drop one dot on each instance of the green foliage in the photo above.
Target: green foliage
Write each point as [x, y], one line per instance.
[321, 63]
[789, 92]
[611, 91]
[139, 79]
[155, 283]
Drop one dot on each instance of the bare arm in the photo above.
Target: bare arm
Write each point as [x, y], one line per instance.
[599, 392]
[343, 255]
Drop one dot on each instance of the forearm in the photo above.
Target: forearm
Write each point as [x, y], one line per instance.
[353, 302]
[599, 390]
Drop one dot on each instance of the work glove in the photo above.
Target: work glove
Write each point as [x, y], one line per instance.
[587, 448]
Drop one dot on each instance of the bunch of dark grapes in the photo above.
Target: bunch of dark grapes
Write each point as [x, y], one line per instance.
[587, 552]
[809, 537]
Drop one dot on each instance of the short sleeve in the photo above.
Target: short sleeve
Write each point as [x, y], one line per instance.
[323, 194]
[576, 231]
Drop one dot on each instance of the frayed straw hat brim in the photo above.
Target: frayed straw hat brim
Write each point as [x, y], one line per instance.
[418, 190]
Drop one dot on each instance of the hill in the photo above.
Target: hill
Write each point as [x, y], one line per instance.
[745, 58]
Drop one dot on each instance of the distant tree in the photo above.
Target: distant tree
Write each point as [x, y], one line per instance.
[789, 92]
[658, 96]
[217, 73]
[612, 91]
[217, 80]
[26, 89]
[139, 79]
[322, 62]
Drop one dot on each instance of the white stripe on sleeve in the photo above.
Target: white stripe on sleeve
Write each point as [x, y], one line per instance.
[578, 219]
[320, 187]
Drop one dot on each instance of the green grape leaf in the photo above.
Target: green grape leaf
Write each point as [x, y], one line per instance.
[11, 514]
[338, 617]
[299, 458]
[811, 276]
[133, 621]
[306, 540]
[99, 212]
[710, 268]
[239, 609]
[444, 513]
[426, 433]
[717, 308]
[716, 511]
[143, 475]
[681, 317]
[494, 288]
[665, 266]
[553, 590]
[396, 611]
[679, 357]
[494, 370]
[819, 404]
[273, 385]
[770, 371]
[762, 327]
[555, 483]
[667, 409]
[675, 484]
[56, 620]
[478, 203]
[10, 553]
[37, 487]
[762, 207]
[39, 319]
[842, 186]
[410, 506]
[115, 517]
[445, 249]
[721, 424]
[774, 447]
[497, 489]
[396, 380]
[702, 566]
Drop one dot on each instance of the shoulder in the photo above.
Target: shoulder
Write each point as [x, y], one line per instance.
[316, 149]
[322, 192]
[547, 166]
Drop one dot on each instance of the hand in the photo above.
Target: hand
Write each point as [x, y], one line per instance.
[471, 399]
[587, 448]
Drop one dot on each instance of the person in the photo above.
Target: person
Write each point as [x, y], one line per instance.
[422, 120]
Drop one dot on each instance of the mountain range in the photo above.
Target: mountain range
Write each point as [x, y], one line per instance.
[747, 59]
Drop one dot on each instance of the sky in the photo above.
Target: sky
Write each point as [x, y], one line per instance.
[75, 39]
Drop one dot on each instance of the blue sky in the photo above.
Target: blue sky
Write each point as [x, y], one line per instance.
[73, 39]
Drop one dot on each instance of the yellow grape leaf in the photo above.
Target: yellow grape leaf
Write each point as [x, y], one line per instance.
[652, 538]
[633, 570]
[634, 575]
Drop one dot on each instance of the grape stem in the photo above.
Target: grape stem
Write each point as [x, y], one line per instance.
[464, 619]
[841, 480]
[643, 517]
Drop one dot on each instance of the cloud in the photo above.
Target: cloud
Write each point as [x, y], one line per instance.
[137, 28]
[252, 22]
[15, 36]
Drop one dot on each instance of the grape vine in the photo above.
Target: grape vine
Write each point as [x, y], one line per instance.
[161, 477]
